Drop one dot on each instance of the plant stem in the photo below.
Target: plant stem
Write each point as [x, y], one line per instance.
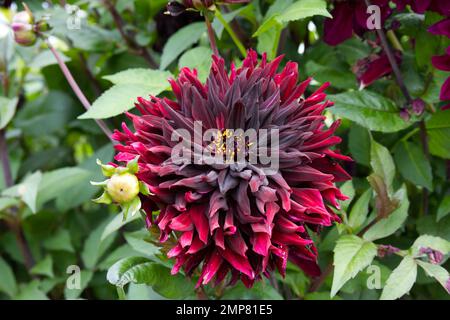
[404, 89]
[211, 36]
[76, 89]
[394, 40]
[131, 43]
[231, 32]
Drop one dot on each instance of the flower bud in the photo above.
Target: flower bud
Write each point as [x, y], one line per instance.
[123, 187]
[42, 26]
[22, 26]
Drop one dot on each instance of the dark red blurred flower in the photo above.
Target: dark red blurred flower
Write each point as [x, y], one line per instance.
[374, 67]
[239, 220]
[443, 63]
[420, 6]
[350, 17]
[441, 28]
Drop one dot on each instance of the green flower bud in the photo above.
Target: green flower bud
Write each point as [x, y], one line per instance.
[123, 187]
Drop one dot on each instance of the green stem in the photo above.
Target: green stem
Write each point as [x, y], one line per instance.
[121, 293]
[231, 32]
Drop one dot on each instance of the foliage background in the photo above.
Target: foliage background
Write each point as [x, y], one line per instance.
[48, 221]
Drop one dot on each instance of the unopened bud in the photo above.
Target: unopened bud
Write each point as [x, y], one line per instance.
[123, 187]
[22, 26]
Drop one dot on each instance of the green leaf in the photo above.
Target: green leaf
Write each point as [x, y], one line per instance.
[435, 243]
[142, 271]
[131, 208]
[7, 110]
[387, 226]
[444, 208]
[57, 182]
[348, 190]
[154, 80]
[59, 241]
[438, 129]
[359, 211]
[303, 9]
[8, 281]
[27, 190]
[351, 255]
[44, 267]
[198, 58]
[129, 85]
[228, 17]
[180, 41]
[116, 223]
[369, 109]
[382, 163]
[94, 246]
[413, 165]
[401, 280]
[437, 272]
[137, 240]
[31, 291]
[46, 58]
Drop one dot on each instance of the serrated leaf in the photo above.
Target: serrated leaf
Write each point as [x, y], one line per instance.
[437, 272]
[368, 109]
[351, 255]
[303, 9]
[142, 271]
[387, 226]
[401, 280]
[382, 163]
[27, 190]
[7, 110]
[413, 165]
[180, 41]
[360, 209]
[59, 241]
[348, 190]
[438, 129]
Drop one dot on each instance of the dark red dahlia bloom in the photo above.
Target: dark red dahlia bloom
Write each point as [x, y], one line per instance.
[441, 28]
[374, 67]
[443, 63]
[350, 16]
[238, 220]
[420, 6]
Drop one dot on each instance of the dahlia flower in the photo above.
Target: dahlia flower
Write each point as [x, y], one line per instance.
[443, 63]
[374, 67]
[238, 220]
[420, 6]
[350, 16]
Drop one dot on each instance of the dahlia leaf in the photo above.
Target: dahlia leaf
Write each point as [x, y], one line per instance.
[155, 80]
[382, 163]
[370, 110]
[351, 255]
[303, 9]
[129, 85]
[360, 209]
[413, 165]
[349, 190]
[401, 280]
[94, 247]
[272, 13]
[388, 225]
[85, 278]
[8, 284]
[143, 271]
[198, 58]
[115, 224]
[180, 41]
[27, 190]
[44, 267]
[438, 129]
[7, 110]
[139, 241]
[444, 208]
[437, 272]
